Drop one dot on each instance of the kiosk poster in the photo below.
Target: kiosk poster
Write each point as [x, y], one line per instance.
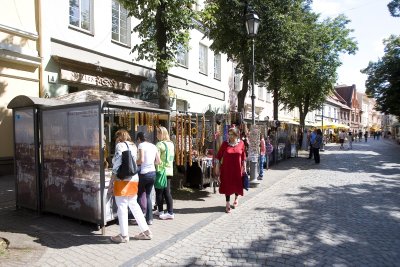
[25, 158]
[71, 161]
[254, 143]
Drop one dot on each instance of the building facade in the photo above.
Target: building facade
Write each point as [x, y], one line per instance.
[20, 63]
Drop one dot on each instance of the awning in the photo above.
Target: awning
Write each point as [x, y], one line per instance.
[22, 101]
[106, 96]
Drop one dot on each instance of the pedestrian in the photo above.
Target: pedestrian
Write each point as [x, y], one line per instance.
[269, 148]
[360, 136]
[165, 147]
[230, 166]
[125, 191]
[311, 138]
[148, 157]
[262, 157]
[342, 136]
[350, 137]
[366, 136]
[317, 145]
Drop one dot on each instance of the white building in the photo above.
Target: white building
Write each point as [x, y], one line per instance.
[88, 45]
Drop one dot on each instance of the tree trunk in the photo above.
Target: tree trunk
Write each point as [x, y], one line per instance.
[162, 83]
[243, 92]
[276, 101]
[161, 69]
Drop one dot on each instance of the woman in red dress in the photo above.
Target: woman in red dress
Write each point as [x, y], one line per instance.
[231, 159]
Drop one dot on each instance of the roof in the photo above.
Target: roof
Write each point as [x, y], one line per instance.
[346, 92]
[22, 101]
[336, 99]
[106, 96]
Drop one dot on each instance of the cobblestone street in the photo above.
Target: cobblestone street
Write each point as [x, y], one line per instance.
[342, 212]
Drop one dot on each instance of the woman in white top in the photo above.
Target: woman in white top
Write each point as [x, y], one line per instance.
[125, 191]
[148, 156]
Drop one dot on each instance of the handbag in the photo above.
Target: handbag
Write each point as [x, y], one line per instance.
[161, 176]
[245, 180]
[128, 166]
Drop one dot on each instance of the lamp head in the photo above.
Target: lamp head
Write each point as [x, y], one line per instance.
[252, 23]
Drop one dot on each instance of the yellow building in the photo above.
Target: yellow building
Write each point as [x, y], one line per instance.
[19, 66]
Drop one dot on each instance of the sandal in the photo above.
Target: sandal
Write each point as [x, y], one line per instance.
[228, 208]
[235, 203]
[143, 236]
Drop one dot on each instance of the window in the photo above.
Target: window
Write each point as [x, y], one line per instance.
[203, 51]
[182, 56]
[217, 66]
[261, 93]
[268, 97]
[80, 14]
[120, 24]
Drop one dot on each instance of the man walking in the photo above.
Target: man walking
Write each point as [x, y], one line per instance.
[311, 138]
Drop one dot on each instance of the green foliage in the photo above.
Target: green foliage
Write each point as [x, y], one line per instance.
[383, 82]
[394, 8]
[312, 68]
[163, 28]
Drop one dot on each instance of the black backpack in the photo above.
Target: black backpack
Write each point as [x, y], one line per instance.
[128, 166]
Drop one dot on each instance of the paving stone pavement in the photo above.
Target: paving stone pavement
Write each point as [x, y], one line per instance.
[52, 240]
[343, 212]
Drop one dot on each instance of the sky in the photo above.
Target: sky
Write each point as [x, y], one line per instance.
[371, 22]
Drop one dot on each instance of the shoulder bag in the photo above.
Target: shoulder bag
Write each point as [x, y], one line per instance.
[161, 176]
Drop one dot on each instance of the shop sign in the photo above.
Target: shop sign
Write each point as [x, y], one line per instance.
[97, 81]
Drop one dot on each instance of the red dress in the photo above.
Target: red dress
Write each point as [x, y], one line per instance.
[231, 158]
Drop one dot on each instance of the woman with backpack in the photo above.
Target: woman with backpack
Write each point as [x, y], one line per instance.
[125, 190]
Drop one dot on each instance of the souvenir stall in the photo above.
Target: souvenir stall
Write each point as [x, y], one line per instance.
[198, 138]
[195, 147]
[76, 147]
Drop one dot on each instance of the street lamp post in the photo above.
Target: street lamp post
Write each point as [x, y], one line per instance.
[252, 24]
[323, 135]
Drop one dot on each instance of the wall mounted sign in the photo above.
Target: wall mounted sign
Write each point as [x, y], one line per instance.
[106, 82]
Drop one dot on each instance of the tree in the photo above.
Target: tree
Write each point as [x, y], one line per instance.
[313, 66]
[383, 82]
[163, 29]
[224, 23]
[277, 43]
[394, 8]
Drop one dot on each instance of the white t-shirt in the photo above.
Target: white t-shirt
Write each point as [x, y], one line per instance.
[149, 151]
[342, 135]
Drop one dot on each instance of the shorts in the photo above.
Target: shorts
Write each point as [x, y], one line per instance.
[341, 141]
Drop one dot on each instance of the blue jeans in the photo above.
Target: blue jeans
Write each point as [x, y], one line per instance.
[262, 161]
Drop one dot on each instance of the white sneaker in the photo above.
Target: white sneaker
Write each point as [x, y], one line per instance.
[167, 216]
[158, 213]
